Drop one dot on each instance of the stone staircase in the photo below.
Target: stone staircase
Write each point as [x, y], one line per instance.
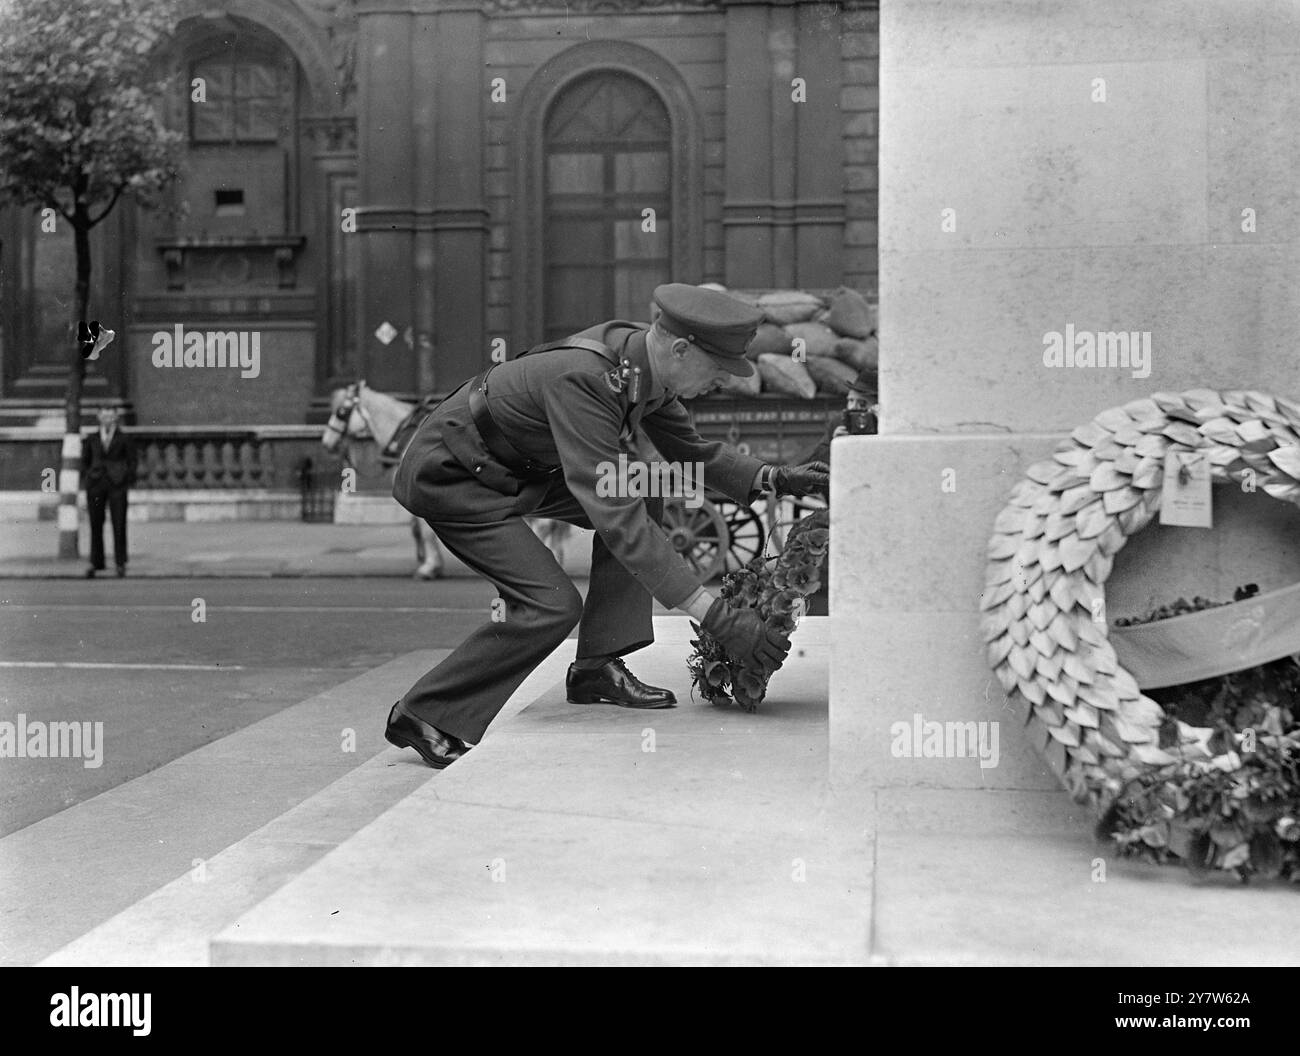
[579, 835]
[570, 835]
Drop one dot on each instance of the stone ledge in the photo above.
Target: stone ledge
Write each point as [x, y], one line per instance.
[167, 504]
[602, 852]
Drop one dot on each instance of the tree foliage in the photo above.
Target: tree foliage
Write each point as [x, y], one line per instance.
[79, 127]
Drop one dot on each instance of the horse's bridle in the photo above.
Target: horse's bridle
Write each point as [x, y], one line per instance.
[338, 421]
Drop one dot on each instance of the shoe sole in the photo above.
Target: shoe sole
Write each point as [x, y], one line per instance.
[623, 704]
[402, 742]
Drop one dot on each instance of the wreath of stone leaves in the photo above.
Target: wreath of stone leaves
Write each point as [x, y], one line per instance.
[1051, 552]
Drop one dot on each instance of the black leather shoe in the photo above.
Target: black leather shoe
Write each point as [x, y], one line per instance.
[436, 748]
[121, 571]
[613, 683]
[90, 572]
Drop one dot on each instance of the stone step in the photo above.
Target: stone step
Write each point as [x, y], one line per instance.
[215, 832]
[167, 504]
[101, 856]
[598, 835]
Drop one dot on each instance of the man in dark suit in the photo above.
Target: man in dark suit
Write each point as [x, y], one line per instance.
[108, 470]
[538, 436]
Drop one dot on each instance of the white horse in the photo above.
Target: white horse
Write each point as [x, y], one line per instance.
[359, 412]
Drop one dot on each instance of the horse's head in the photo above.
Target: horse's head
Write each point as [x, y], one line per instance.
[346, 418]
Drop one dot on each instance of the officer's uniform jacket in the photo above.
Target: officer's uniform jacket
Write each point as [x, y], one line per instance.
[569, 408]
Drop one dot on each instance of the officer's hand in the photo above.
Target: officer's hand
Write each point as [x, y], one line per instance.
[745, 636]
[812, 478]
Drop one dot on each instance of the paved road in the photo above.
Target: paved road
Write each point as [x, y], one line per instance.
[129, 653]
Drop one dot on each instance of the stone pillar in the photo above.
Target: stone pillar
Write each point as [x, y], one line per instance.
[746, 209]
[386, 173]
[1042, 167]
[422, 214]
[784, 209]
[819, 211]
[458, 220]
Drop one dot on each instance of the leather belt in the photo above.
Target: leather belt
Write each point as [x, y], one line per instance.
[495, 440]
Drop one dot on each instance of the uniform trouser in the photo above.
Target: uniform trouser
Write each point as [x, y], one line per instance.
[464, 693]
[115, 500]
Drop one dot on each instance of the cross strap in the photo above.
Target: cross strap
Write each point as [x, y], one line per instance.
[495, 440]
[599, 347]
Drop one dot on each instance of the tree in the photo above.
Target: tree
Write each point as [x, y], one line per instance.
[79, 131]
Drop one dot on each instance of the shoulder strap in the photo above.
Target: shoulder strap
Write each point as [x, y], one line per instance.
[599, 347]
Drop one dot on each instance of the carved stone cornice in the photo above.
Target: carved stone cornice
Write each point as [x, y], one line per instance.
[332, 135]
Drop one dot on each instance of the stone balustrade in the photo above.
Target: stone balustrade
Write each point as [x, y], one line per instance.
[185, 458]
[206, 462]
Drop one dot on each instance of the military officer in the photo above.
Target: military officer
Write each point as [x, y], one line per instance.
[533, 436]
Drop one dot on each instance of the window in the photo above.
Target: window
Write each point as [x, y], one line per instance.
[241, 103]
[607, 146]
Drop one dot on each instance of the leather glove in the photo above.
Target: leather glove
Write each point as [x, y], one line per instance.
[812, 478]
[745, 636]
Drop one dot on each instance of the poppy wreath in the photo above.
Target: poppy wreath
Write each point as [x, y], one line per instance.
[778, 588]
[1051, 552]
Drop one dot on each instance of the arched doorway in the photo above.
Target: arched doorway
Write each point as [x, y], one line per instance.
[607, 199]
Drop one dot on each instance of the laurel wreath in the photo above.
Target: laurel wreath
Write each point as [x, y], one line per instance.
[1051, 552]
[777, 587]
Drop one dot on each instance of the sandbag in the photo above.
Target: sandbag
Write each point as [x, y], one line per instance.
[772, 339]
[830, 375]
[750, 386]
[861, 355]
[818, 340]
[782, 374]
[789, 306]
[850, 315]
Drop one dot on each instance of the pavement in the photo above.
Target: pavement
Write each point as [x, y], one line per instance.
[235, 549]
[593, 835]
[569, 835]
[590, 835]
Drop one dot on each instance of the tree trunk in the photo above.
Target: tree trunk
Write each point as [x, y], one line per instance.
[70, 474]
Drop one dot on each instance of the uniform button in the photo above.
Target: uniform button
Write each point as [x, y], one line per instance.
[478, 469]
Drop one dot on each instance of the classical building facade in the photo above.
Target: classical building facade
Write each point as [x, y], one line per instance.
[390, 189]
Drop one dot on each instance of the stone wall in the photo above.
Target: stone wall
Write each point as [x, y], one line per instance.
[1050, 169]
[860, 104]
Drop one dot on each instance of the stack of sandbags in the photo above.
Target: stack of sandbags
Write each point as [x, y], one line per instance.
[770, 339]
[784, 307]
[808, 344]
[830, 375]
[850, 316]
[786, 376]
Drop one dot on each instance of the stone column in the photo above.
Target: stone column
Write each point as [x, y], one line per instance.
[746, 209]
[819, 149]
[784, 208]
[386, 171]
[452, 185]
[1047, 167]
[422, 214]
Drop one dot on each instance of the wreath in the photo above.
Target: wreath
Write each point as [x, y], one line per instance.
[778, 588]
[1043, 604]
